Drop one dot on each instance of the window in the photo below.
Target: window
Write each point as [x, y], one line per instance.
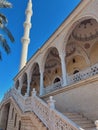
[76, 71]
[56, 80]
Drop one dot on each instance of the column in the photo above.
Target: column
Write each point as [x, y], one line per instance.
[96, 123]
[41, 82]
[28, 87]
[63, 65]
[20, 86]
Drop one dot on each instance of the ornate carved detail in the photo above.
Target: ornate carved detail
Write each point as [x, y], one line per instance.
[89, 72]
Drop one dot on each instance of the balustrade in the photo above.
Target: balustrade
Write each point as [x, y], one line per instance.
[89, 72]
[52, 87]
[50, 116]
[47, 113]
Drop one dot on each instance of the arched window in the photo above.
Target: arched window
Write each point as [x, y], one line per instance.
[15, 120]
[12, 113]
[19, 128]
[56, 80]
[76, 71]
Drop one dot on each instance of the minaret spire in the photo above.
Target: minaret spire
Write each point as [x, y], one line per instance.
[25, 39]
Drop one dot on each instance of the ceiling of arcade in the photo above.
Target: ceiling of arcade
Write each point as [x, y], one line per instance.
[81, 46]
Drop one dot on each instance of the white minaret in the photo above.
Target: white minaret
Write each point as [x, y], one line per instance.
[25, 39]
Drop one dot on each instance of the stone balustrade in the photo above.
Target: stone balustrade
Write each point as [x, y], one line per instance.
[89, 72]
[53, 119]
[86, 73]
[47, 113]
[52, 87]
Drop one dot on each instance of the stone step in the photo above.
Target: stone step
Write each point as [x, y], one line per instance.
[38, 122]
[80, 120]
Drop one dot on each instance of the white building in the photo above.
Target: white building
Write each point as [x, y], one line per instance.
[57, 89]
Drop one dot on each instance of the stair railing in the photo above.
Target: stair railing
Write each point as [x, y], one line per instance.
[53, 119]
[47, 113]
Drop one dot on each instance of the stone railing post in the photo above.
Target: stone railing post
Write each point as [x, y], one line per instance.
[51, 105]
[33, 92]
[96, 123]
[25, 96]
[51, 102]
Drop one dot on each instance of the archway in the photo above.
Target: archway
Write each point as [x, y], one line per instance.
[4, 116]
[35, 78]
[52, 66]
[24, 84]
[79, 44]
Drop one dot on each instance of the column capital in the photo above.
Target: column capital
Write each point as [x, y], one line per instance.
[62, 54]
[41, 70]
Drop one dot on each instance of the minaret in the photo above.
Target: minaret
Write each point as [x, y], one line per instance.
[25, 39]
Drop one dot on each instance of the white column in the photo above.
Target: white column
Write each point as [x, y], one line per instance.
[96, 123]
[41, 82]
[28, 86]
[20, 86]
[63, 65]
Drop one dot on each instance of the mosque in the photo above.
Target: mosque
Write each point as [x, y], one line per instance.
[57, 89]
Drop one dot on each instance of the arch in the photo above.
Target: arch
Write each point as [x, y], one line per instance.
[76, 71]
[79, 41]
[78, 50]
[46, 54]
[35, 78]
[31, 68]
[24, 84]
[52, 66]
[17, 84]
[74, 24]
[57, 79]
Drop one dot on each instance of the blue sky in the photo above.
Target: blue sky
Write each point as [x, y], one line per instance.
[47, 17]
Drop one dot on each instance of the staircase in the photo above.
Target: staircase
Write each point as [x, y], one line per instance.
[80, 120]
[38, 115]
[37, 121]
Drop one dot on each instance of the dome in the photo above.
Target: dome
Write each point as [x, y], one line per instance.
[86, 30]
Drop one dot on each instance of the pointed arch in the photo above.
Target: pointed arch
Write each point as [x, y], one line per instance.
[52, 66]
[35, 78]
[24, 84]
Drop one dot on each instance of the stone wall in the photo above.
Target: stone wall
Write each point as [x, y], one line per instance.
[81, 97]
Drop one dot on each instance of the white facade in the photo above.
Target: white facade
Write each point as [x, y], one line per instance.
[66, 67]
